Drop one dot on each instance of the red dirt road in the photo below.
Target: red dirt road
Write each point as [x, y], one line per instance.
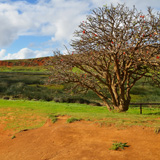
[79, 141]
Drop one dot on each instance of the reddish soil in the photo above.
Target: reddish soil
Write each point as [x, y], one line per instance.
[25, 62]
[79, 141]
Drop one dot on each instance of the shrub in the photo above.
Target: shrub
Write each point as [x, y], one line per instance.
[118, 145]
[13, 137]
[3, 86]
[36, 92]
[95, 104]
[15, 89]
[6, 97]
[56, 99]
[71, 100]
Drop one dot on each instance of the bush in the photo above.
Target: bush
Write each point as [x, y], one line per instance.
[56, 99]
[6, 97]
[95, 104]
[71, 100]
[118, 145]
[36, 92]
[3, 86]
[15, 89]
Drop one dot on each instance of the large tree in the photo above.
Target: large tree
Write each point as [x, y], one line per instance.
[113, 49]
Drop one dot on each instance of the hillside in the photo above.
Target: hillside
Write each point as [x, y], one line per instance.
[24, 62]
[39, 62]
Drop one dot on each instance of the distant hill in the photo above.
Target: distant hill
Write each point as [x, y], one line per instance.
[42, 61]
[25, 62]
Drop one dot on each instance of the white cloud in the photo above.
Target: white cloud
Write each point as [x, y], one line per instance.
[55, 18]
[140, 4]
[143, 4]
[22, 54]
[2, 53]
[100, 3]
[25, 53]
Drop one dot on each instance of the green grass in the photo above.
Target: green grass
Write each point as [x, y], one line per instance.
[73, 119]
[21, 114]
[53, 118]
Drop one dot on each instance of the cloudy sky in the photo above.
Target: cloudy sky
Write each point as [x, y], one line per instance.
[34, 28]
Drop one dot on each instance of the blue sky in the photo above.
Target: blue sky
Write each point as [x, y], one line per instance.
[34, 28]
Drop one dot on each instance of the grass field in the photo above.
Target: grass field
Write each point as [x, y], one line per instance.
[22, 114]
[28, 83]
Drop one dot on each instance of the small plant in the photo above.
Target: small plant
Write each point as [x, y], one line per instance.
[118, 145]
[53, 118]
[71, 120]
[157, 130]
[13, 136]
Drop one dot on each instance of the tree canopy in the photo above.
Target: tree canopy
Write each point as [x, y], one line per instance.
[113, 49]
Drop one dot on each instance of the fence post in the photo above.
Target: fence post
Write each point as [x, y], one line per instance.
[140, 108]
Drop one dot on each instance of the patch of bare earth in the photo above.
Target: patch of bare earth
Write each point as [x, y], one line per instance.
[79, 141]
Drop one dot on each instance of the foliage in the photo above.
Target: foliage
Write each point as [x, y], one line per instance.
[13, 137]
[32, 85]
[25, 85]
[144, 91]
[113, 49]
[118, 145]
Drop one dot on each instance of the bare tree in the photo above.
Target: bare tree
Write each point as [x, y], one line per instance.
[113, 49]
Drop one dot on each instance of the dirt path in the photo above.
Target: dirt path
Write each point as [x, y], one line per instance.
[79, 141]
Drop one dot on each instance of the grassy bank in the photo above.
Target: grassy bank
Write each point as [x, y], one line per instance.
[22, 114]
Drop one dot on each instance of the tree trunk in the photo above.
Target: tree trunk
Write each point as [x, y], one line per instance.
[107, 105]
[123, 106]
